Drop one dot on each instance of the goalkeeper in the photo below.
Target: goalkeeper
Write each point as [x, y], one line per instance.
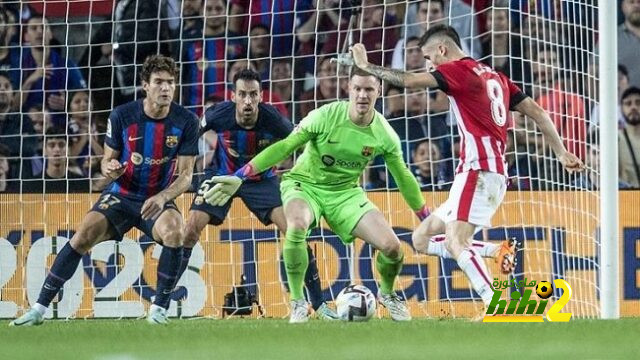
[341, 139]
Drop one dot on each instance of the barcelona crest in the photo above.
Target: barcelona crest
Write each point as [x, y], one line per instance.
[367, 151]
[172, 141]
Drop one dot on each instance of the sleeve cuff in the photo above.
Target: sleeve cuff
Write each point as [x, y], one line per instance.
[516, 99]
[442, 83]
[246, 172]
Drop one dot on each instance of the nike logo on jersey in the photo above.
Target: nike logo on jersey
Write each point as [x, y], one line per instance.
[135, 138]
[332, 142]
[363, 205]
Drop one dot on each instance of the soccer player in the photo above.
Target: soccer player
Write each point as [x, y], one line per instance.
[481, 99]
[341, 139]
[148, 142]
[243, 127]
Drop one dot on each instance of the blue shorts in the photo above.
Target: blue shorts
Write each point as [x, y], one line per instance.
[124, 213]
[261, 197]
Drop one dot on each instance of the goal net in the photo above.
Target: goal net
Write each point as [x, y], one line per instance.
[95, 48]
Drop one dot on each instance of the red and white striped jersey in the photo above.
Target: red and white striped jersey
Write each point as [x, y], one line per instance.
[480, 99]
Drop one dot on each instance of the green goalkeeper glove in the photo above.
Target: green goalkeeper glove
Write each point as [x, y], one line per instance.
[224, 189]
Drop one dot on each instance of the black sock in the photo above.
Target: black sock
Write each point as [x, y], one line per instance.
[63, 267]
[168, 267]
[312, 282]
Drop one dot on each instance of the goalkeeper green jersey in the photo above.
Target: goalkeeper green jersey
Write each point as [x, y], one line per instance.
[337, 151]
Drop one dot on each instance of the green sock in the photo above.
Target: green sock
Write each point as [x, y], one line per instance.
[388, 269]
[296, 261]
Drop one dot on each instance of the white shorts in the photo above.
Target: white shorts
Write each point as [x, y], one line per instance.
[474, 197]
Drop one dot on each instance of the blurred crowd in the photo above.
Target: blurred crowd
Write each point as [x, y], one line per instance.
[64, 66]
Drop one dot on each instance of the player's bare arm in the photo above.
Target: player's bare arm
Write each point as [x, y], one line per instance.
[393, 76]
[534, 111]
[110, 166]
[153, 206]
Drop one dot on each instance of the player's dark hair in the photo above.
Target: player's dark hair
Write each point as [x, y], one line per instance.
[55, 133]
[156, 63]
[440, 30]
[246, 75]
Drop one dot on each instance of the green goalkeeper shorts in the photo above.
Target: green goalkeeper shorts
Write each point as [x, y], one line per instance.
[342, 209]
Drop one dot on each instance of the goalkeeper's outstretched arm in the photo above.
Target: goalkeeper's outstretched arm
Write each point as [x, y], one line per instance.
[273, 154]
[408, 185]
[227, 185]
[531, 109]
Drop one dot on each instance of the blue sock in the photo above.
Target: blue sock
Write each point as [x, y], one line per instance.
[312, 282]
[63, 267]
[168, 267]
[184, 262]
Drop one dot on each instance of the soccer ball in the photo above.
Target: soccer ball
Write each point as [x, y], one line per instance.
[544, 289]
[356, 303]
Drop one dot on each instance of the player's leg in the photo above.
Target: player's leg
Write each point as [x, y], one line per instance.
[430, 231]
[168, 230]
[296, 259]
[301, 211]
[197, 220]
[429, 238]
[93, 229]
[474, 198]
[299, 218]
[311, 277]
[458, 243]
[264, 200]
[374, 229]
[200, 214]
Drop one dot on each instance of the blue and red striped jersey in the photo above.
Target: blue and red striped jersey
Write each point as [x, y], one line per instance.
[204, 70]
[150, 146]
[236, 146]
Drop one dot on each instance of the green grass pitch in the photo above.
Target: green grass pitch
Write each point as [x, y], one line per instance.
[276, 339]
